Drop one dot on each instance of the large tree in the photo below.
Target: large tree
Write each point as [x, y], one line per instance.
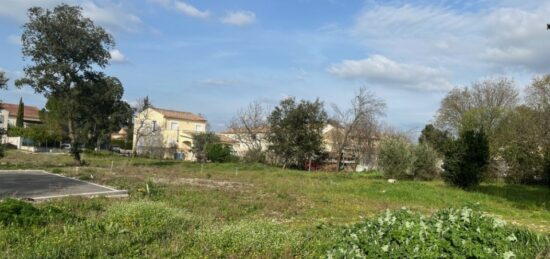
[538, 99]
[65, 47]
[364, 110]
[483, 104]
[435, 138]
[102, 98]
[296, 131]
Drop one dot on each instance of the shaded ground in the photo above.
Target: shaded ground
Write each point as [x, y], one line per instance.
[36, 184]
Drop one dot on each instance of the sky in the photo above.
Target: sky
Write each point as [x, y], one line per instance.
[213, 57]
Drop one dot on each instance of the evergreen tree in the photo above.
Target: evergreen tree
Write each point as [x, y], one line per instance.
[66, 48]
[296, 131]
[20, 114]
[466, 159]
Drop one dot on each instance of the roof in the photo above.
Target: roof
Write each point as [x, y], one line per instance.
[225, 139]
[179, 115]
[30, 112]
[264, 129]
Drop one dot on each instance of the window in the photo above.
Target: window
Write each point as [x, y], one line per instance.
[198, 128]
[174, 125]
[154, 125]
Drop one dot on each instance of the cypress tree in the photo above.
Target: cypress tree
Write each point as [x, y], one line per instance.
[20, 114]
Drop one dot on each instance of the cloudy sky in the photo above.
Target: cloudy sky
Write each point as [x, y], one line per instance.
[212, 57]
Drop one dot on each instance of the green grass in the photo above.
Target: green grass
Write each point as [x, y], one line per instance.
[181, 209]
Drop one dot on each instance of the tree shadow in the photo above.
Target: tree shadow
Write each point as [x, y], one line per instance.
[523, 196]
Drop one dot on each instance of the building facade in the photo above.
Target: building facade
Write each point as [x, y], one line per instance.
[166, 133]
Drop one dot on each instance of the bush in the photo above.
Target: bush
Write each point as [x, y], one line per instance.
[466, 159]
[2, 150]
[448, 233]
[218, 153]
[524, 163]
[424, 166]
[395, 157]
[24, 214]
[18, 213]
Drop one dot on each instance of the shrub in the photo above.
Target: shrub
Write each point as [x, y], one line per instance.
[24, 214]
[19, 213]
[218, 153]
[2, 150]
[524, 163]
[395, 157]
[466, 159]
[448, 233]
[424, 166]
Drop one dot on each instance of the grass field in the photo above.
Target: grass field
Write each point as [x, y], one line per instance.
[181, 209]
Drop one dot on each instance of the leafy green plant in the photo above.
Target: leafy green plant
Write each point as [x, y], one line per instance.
[218, 153]
[395, 157]
[448, 233]
[466, 159]
[424, 166]
[24, 214]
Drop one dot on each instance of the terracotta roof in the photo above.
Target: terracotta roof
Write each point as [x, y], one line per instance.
[179, 115]
[30, 112]
[243, 130]
[225, 139]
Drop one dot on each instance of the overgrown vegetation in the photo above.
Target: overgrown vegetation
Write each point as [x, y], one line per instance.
[448, 233]
[181, 209]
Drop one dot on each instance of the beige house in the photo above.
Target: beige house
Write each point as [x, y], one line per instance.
[242, 141]
[8, 115]
[166, 133]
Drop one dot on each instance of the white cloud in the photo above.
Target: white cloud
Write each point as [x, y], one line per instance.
[117, 56]
[239, 18]
[17, 9]
[381, 70]
[112, 16]
[495, 36]
[518, 38]
[190, 10]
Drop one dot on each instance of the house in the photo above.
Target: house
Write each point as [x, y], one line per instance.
[359, 156]
[8, 115]
[120, 135]
[166, 133]
[241, 140]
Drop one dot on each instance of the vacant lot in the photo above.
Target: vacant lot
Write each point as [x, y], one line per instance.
[187, 209]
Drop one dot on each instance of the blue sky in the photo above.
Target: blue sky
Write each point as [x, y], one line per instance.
[213, 57]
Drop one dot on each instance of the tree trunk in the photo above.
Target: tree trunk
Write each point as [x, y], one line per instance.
[339, 160]
[74, 147]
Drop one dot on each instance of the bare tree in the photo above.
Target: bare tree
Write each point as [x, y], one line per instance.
[249, 126]
[143, 126]
[489, 100]
[364, 110]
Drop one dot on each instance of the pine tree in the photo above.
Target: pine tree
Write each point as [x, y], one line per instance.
[20, 114]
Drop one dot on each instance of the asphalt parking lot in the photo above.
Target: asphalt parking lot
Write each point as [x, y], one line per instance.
[40, 185]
